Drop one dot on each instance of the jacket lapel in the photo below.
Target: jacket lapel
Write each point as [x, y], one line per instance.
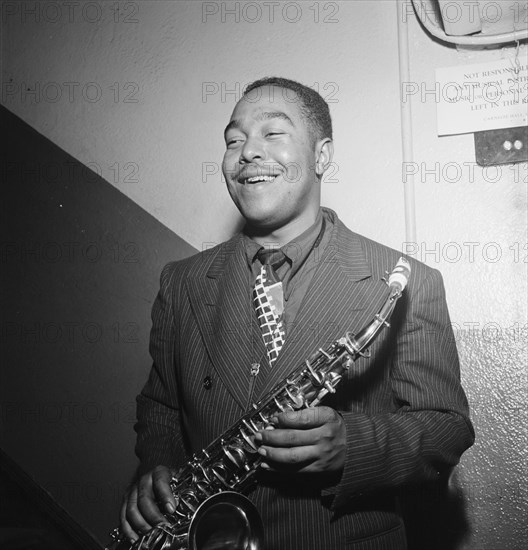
[342, 297]
[221, 301]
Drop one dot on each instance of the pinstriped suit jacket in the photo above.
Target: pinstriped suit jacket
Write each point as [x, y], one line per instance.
[405, 412]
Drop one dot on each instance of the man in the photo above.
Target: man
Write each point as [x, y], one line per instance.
[330, 474]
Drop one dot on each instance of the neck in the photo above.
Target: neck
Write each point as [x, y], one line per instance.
[281, 236]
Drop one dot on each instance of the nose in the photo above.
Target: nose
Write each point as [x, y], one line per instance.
[252, 150]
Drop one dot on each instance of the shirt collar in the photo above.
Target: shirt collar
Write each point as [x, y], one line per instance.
[297, 250]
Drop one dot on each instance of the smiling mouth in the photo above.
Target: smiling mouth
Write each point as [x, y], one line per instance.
[257, 179]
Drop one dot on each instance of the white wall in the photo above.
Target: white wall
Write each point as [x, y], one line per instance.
[472, 225]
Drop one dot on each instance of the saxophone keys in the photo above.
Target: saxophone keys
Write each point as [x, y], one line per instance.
[188, 494]
[289, 393]
[250, 425]
[384, 322]
[235, 454]
[279, 405]
[116, 534]
[246, 424]
[203, 487]
[218, 469]
[317, 378]
[297, 399]
[205, 473]
[248, 440]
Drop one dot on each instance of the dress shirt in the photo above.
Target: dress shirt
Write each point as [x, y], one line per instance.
[303, 253]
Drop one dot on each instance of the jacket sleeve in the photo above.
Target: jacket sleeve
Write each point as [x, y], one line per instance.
[159, 437]
[430, 429]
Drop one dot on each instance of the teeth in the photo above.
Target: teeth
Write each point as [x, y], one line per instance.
[255, 179]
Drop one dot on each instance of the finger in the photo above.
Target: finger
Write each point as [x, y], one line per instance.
[126, 528]
[288, 469]
[146, 502]
[161, 477]
[306, 418]
[128, 532]
[131, 519]
[288, 437]
[297, 456]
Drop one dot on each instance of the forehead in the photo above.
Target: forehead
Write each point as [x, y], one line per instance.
[269, 102]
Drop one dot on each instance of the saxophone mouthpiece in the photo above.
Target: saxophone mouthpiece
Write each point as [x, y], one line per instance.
[400, 275]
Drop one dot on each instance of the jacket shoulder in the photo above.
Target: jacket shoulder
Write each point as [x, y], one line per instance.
[382, 258]
[200, 263]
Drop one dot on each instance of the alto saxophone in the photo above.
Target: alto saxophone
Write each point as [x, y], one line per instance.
[211, 512]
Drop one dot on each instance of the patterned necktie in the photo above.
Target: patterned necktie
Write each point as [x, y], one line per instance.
[268, 300]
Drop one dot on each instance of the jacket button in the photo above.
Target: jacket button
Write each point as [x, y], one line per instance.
[207, 382]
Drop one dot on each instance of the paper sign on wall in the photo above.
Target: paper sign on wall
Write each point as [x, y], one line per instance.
[483, 96]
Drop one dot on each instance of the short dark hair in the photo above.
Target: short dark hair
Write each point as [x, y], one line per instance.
[313, 107]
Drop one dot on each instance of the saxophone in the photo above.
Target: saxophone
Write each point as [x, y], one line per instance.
[211, 512]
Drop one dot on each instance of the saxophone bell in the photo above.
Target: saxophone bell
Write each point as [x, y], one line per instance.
[226, 521]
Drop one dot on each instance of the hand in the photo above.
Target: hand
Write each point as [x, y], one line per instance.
[145, 501]
[309, 440]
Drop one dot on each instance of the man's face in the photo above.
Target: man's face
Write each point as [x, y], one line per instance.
[269, 161]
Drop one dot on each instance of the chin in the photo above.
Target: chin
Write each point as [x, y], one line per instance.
[258, 216]
[261, 221]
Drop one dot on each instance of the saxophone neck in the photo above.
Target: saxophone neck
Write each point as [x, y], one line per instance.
[361, 341]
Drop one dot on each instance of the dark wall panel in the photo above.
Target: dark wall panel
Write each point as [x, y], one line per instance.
[80, 269]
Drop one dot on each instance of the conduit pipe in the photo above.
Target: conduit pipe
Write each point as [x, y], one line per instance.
[406, 128]
[475, 40]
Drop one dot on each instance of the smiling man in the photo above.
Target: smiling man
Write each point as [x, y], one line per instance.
[275, 158]
[330, 475]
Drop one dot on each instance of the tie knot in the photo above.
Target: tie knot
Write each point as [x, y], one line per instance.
[273, 257]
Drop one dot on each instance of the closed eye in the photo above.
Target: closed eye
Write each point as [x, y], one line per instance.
[233, 141]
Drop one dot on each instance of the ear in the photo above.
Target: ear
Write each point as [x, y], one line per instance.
[324, 153]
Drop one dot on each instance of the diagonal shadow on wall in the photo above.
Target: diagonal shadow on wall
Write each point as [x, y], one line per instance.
[80, 270]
